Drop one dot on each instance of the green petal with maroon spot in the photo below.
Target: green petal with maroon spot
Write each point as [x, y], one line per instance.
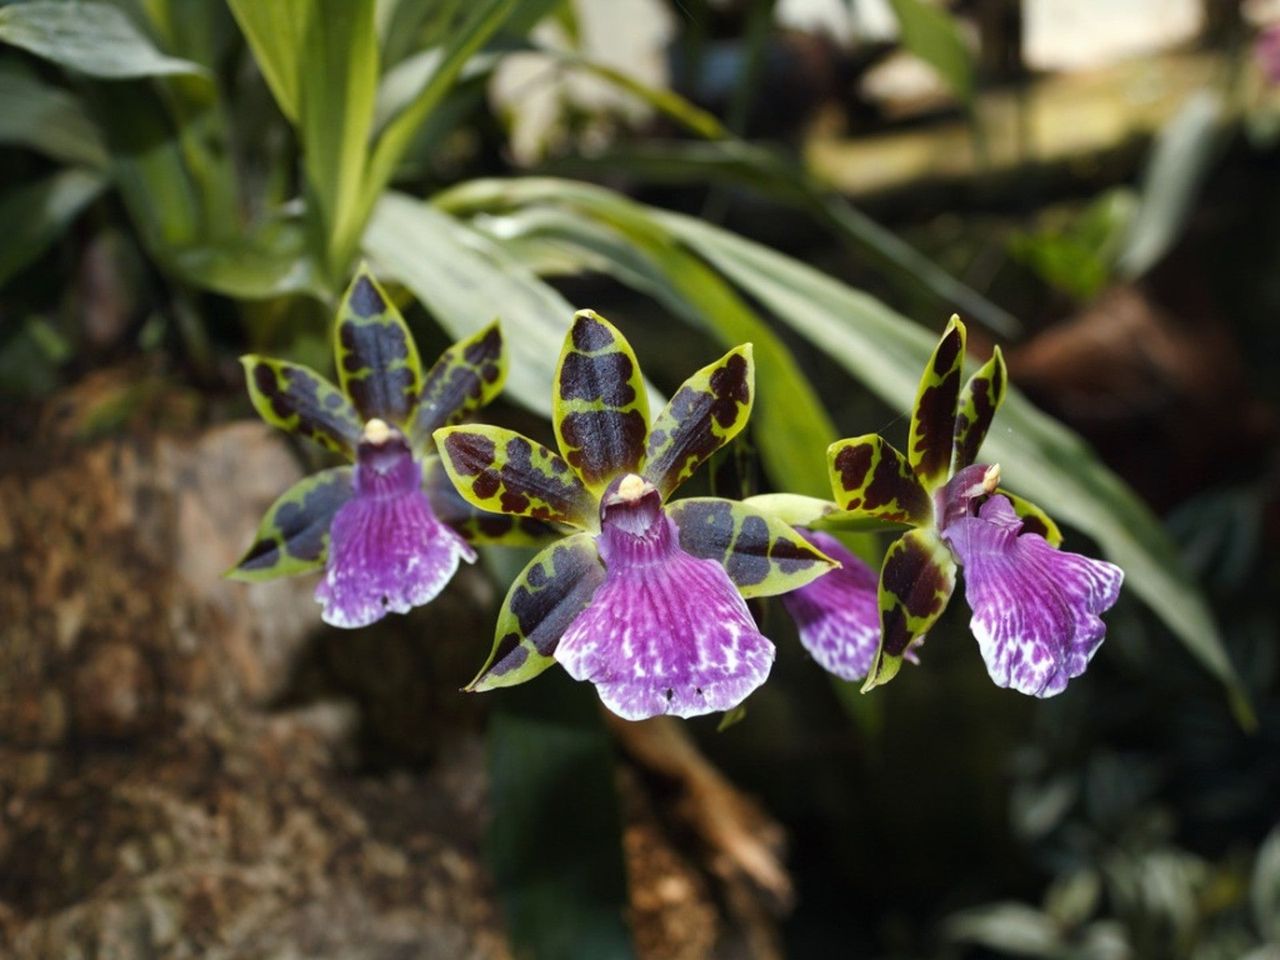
[1034, 520]
[294, 534]
[503, 472]
[762, 555]
[468, 376]
[377, 360]
[869, 478]
[979, 401]
[480, 526]
[598, 404]
[916, 581]
[708, 411]
[548, 595]
[298, 400]
[933, 420]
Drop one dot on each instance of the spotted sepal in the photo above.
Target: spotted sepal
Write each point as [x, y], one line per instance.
[377, 360]
[869, 478]
[762, 555]
[600, 409]
[708, 411]
[979, 401]
[1034, 520]
[300, 401]
[468, 376]
[294, 534]
[817, 514]
[933, 419]
[916, 581]
[501, 471]
[480, 526]
[550, 592]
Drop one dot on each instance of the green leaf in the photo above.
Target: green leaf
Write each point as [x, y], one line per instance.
[599, 406]
[270, 260]
[338, 81]
[36, 214]
[467, 376]
[762, 555]
[708, 411]
[550, 592]
[465, 280]
[480, 526]
[459, 46]
[916, 582]
[94, 38]
[42, 117]
[300, 401]
[1034, 520]
[275, 32]
[931, 34]
[979, 401]
[933, 415]
[498, 470]
[563, 892]
[294, 535]
[885, 351]
[869, 478]
[376, 356]
[1179, 163]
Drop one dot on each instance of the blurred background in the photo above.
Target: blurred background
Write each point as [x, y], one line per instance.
[191, 767]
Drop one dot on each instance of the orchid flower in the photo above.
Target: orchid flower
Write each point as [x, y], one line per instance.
[646, 601]
[388, 530]
[1035, 608]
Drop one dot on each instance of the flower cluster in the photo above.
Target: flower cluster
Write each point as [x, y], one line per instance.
[640, 595]
[1035, 608]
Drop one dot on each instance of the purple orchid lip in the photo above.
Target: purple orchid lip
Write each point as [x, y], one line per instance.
[1035, 608]
[667, 632]
[388, 551]
[955, 499]
[838, 615]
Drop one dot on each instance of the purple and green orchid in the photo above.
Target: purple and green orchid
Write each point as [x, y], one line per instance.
[646, 601]
[1035, 608]
[388, 528]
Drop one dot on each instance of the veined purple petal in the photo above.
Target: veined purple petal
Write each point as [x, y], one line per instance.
[1035, 609]
[666, 633]
[838, 615]
[387, 551]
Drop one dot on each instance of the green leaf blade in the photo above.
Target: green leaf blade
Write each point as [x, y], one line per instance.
[97, 39]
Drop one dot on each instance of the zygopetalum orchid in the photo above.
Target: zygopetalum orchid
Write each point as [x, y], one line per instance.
[1035, 608]
[388, 529]
[646, 601]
